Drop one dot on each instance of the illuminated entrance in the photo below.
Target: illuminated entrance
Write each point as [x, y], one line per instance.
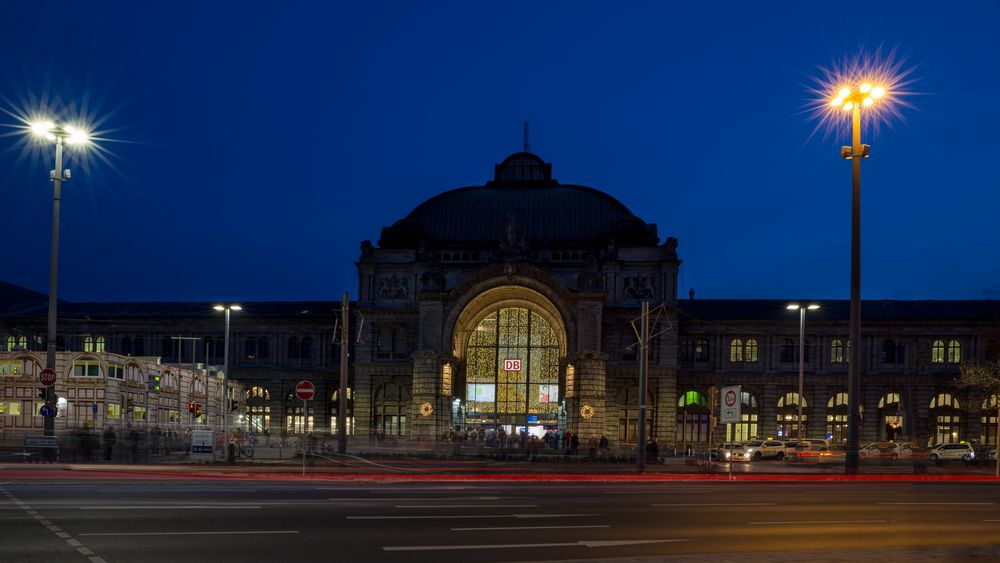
[512, 372]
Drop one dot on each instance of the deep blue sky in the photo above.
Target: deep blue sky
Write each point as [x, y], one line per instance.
[266, 141]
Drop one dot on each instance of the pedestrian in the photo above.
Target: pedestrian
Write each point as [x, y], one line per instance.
[602, 445]
[109, 438]
[593, 446]
[574, 444]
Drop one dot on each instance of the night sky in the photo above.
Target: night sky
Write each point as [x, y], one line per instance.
[251, 147]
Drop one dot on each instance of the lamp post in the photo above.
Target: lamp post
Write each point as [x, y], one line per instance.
[862, 96]
[225, 370]
[49, 131]
[802, 365]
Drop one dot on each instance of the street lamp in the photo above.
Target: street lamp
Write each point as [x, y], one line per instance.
[854, 98]
[802, 342]
[225, 371]
[47, 131]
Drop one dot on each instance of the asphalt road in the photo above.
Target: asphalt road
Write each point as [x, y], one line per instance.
[256, 521]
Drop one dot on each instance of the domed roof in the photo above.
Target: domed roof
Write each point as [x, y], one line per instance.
[524, 196]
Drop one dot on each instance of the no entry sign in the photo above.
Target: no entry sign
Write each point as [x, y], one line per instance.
[305, 390]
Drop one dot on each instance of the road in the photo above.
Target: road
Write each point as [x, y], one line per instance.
[221, 521]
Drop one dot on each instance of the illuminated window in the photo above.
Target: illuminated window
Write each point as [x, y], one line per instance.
[10, 408]
[335, 412]
[736, 351]
[954, 351]
[17, 343]
[392, 401]
[746, 428]
[99, 344]
[11, 368]
[114, 410]
[522, 387]
[839, 352]
[751, 351]
[789, 424]
[937, 352]
[446, 379]
[701, 350]
[947, 419]
[570, 381]
[116, 371]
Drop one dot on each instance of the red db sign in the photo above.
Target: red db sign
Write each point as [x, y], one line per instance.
[512, 365]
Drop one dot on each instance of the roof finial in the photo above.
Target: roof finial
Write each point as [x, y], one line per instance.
[526, 148]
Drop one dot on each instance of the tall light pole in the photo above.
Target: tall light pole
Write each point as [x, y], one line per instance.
[802, 359]
[225, 372]
[854, 100]
[49, 131]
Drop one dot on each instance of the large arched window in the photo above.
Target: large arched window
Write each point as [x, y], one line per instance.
[392, 401]
[946, 416]
[890, 411]
[258, 409]
[789, 424]
[692, 418]
[988, 421]
[627, 404]
[512, 371]
[836, 418]
[335, 411]
[746, 428]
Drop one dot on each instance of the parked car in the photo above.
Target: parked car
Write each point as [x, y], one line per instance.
[759, 449]
[731, 451]
[953, 452]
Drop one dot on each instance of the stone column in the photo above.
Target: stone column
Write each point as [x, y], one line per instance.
[591, 376]
[426, 389]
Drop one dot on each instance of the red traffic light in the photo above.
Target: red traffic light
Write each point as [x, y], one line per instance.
[190, 407]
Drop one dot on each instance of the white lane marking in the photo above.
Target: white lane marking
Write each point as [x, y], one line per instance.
[440, 516]
[529, 528]
[74, 543]
[584, 543]
[466, 506]
[45, 522]
[96, 559]
[84, 551]
[53, 528]
[63, 535]
[174, 507]
[235, 532]
[716, 504]
[821, 522]
[940, 503]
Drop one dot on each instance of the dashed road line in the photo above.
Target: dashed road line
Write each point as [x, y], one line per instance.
[72, 542]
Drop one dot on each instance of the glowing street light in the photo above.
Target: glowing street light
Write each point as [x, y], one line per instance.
[47, 130]
[225, 374]
[863, 96]
[802, 342]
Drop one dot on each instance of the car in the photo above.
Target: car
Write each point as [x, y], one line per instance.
[731, 451]
[807, 449]
[891, 450]
[953, 452]
[759, 449]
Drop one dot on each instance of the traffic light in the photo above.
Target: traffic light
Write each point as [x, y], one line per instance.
[153, 382]
[198, 409]
[191, 407]
[41, 392]
[233, 405]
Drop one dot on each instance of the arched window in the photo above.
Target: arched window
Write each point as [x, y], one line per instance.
[335, 412]
[788, 416]
[133, 374]
[262, 347]
[692, 418]
[837, 355]
[512, 369]
[99, 344]
[751, 353]
[307, 345]
[736, 351]
[392, 401]
[954, 351]
[836, 418]
[701, 350]
[250, 348]
[888, 352]
[627, 406]
[15, 343]
[297, 419]
[686, 351]
[937, 352]
[890, 410]
[294, 351]
[169, 382]
[788, 351]
[988, 421]
[88, 344]
[746, 428]
[258, 409]
[198, 388]
[947, 418]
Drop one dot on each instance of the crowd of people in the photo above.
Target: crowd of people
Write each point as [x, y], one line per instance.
[129, 445]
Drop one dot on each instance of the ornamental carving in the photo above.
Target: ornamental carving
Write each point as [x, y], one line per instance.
[426, 409]
[587, 411]
[638, 287]
[393, 287]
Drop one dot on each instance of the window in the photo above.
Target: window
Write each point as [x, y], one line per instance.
[787, 351]
[888, 352]
[701, 350]
[258, 409]
[17, 343]
[751, 349]
[294, 351]
[133, 374]
[954, 351]
[736, 351]
[116, 371]
[788, 416]
[114, 410]
[11, 368]
[686, 351]
[746, 428]
[99, 344]
[86, 368]
[947, 418]
[348, 415]
[392, 401]
[88, 343]
[390, 343]
[262, 348]
[307, 348]
[837, 351]
[250, 348]
[937, 352]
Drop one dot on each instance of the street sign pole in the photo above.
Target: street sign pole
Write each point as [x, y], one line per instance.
[305, 417]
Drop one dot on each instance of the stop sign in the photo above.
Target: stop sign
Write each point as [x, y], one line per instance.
[305, 390]
[47, 377]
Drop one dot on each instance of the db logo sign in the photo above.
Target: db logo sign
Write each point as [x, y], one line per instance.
[512, 365]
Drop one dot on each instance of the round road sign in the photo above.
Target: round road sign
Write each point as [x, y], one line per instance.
[47, 377]
[730, 398]
[305, 390]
